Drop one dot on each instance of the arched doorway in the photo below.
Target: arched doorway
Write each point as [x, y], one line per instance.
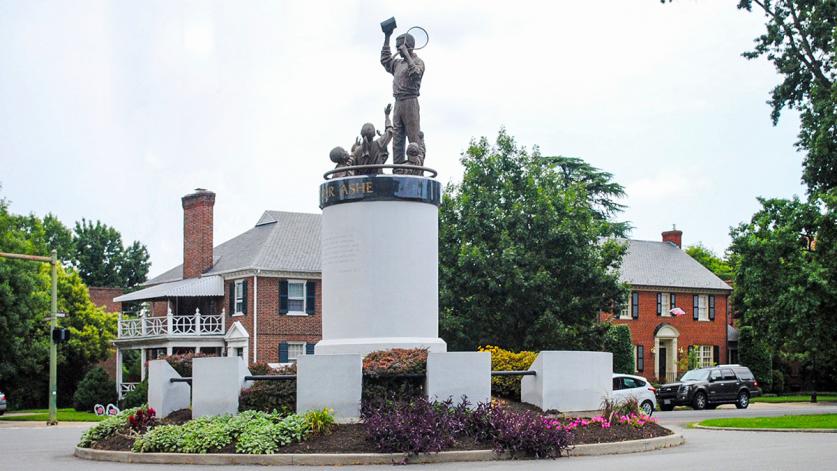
[665, 352]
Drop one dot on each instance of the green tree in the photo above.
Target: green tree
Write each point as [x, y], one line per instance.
[617, 340]
[24, 311]
[102, 260]
[755, 354]
[720, 267]
[786, 282]
[527, 255]
[800, 41]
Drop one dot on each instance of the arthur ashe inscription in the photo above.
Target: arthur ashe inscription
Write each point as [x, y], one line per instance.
[380, 188]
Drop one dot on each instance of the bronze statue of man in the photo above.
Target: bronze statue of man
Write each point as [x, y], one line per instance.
[406, 82]
[372, 151]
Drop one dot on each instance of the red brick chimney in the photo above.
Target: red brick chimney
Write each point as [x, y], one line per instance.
[197, 232]
[674, 236]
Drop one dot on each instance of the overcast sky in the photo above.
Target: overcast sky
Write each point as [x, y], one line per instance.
[114, 110]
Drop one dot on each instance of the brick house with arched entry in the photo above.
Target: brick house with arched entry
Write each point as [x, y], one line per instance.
[663, 277]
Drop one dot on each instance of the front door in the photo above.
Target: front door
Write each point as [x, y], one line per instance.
[661, 357]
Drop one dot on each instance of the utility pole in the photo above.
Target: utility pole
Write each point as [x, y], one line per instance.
[53, 323]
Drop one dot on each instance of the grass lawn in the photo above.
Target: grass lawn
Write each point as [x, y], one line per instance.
[795, 398]
[785, 421]
[41, 415]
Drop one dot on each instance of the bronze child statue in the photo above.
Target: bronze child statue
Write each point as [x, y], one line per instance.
[372, 151]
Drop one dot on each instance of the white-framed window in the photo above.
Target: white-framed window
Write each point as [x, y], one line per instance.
[703, 307]
[295, 350]
[631, 309]
[705, 356]
[625, 313]
[296, 297]
[239, 297]
[665, 304]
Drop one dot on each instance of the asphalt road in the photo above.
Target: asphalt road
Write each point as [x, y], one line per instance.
[49, 449]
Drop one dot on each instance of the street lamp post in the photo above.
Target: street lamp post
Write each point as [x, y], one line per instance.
[53, 323]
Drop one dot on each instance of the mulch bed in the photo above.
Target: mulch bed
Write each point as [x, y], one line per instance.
[351, 438]
[617, 433]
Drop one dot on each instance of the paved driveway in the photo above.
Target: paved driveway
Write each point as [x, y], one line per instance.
[50, 449]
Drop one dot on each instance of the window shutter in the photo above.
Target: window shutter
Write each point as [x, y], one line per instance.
[673, 299]
[309, 348]
[640, 358]
[635, 305]
[695, 300]
[310, 296]
[716, 354]
[244, 295]
[711, 307]
[283, 352]
[232, 298]
[659, 304]
[283, 298]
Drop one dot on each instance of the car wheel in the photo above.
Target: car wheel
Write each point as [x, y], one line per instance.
[743, 400]
[667, 408]
[699, 402]
[647, 408]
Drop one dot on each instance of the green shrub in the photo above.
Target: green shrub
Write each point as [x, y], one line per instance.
[95, 388]
[182, 363]
[381, 370]
[778, 382]
[504, 360]
[106, 428]
[137, 397]
[252, 432]
[269, 396]
[756, 355]
[617, 340]
[320, 421]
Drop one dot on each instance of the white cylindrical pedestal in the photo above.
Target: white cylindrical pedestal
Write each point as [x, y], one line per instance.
[380, 264]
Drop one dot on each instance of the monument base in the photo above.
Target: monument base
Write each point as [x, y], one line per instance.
[364, 346]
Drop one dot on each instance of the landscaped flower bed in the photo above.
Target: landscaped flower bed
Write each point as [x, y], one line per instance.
[412, 427]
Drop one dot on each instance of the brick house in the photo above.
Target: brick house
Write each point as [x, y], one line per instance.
[256, 296]
[663, 277]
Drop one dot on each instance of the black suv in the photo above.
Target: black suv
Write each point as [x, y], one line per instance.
[705, 388]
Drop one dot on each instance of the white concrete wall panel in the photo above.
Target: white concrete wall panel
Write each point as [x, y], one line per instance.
[569, 381]
[216, 385]
[163, 395]
[332, 381]
[457, 374]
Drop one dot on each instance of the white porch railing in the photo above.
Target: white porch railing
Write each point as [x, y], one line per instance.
[172, 325]
[126, 387]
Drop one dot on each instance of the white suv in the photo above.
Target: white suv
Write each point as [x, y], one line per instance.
[637, 387]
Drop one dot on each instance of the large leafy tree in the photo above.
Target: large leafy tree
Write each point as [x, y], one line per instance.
[717, 265]
[527, 255]
[102, 260]
[800, 41]
[786, 280]
[24, 312]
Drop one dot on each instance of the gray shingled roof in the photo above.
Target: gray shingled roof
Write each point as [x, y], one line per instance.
[280, 241]
[649, 263]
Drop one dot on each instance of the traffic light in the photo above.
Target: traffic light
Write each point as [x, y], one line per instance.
[60, 335]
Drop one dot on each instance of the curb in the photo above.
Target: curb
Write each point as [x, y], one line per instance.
[786, 430]
[343, 459]
[630, 446]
